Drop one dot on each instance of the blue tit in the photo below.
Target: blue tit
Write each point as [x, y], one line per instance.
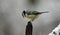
[32, 14]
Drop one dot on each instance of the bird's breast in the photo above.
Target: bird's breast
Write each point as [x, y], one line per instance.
[31, 16]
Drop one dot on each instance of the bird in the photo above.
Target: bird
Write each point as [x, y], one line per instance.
[32, 14]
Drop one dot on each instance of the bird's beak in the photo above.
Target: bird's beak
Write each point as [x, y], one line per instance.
[22, 15]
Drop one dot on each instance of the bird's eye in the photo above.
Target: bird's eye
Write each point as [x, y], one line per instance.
[54, 32]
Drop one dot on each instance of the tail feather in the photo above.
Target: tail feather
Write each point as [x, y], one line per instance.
[43, 12]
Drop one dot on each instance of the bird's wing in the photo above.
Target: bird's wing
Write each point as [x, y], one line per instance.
[33, 13]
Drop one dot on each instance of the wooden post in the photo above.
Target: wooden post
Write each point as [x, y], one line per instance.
[29, 29]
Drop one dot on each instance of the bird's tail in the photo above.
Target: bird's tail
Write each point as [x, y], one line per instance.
[43, 12]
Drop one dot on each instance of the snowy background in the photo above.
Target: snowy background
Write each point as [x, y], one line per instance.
[12, 21]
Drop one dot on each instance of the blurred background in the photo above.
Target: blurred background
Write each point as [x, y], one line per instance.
[12, 22]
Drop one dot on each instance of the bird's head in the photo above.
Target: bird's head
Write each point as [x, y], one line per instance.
[23, 13]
